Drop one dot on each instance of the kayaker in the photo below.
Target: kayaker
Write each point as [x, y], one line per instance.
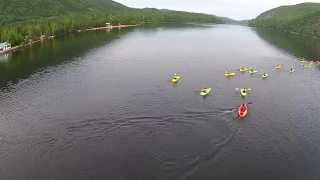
[175, 78]
[243, 111]
[265, 76]
[291, 69]
[205, 91]
[279, 66]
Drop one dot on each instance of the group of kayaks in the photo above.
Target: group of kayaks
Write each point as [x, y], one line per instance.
[206, 91]
[307, 63]
[243, 109]
[251, 71]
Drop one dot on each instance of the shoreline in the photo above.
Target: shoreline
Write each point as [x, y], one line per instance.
[112, 27]
[42, 39]
[294, 33]
[15, 48]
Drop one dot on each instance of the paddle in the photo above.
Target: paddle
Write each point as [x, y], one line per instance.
[238, 89]
[199, 90]
[248, 103]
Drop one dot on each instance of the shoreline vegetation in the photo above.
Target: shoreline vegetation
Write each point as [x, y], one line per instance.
[301, 20]
[24, 35]
[25, 22]
[46, 38]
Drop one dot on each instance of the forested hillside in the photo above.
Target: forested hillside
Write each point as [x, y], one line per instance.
[24, 20]
[303, 19]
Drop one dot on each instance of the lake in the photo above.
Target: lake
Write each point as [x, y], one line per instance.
[99, 106]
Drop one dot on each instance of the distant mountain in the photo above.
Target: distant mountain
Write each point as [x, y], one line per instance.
[303, 19]
[229, 20]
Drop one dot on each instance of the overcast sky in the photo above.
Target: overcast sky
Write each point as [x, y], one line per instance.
[237, 9]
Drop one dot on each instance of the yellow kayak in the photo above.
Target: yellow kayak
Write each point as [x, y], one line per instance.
[175, 78]
[252, 72]
[205, 92]
[229, 74]
[243, 69]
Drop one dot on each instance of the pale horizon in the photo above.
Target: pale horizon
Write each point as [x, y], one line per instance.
[239, 10]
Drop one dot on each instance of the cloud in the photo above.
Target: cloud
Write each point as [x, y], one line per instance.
[237, 9]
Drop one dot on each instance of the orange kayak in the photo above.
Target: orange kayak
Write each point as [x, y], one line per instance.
[279, 66]
[243, 111]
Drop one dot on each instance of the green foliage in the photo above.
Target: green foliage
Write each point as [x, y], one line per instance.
[300, 19]
[21, 10]
[24, 20]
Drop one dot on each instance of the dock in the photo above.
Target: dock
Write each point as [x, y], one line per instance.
[110, 27]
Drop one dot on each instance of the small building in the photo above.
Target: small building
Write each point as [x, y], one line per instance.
[108, 25]
[5, 46]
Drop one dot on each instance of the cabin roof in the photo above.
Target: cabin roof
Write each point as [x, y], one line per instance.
[4, 44]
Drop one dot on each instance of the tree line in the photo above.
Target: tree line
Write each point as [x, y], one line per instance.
[23, 32]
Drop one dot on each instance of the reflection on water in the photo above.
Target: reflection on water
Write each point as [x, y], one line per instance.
[21, 64]
[309, 48]
[4, 58]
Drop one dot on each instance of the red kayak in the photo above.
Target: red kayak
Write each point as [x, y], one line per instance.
[243, 110]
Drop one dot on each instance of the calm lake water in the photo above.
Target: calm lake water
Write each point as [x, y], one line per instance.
[99, 106]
